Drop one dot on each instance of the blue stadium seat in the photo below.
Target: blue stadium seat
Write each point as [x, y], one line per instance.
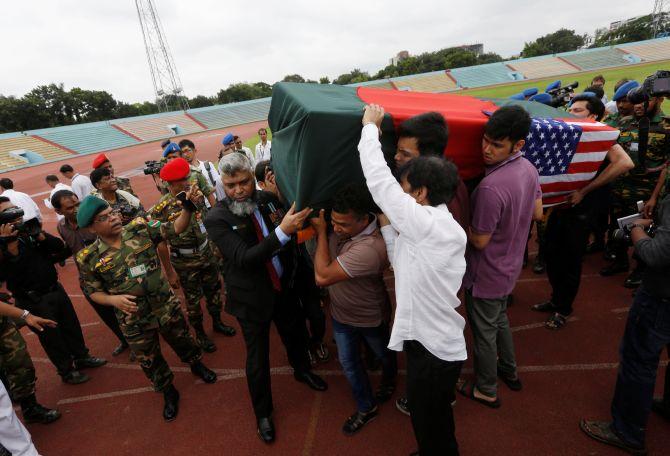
[221, 116]
[483, 75]
[87, 138]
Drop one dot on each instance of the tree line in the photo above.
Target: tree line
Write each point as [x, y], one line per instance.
[51, 105]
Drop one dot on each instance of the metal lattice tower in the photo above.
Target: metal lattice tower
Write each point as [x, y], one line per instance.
[659, 16]
[167, 85]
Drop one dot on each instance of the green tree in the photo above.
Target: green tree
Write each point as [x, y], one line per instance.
[324, 80]
[562, 40]
[352, 77]
[457, 58]
[488, 57]
[635, 30]
[200, 101]
[293, 78]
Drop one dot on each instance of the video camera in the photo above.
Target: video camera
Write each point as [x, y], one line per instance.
[656, 85]
[623, 234]
[31, 227]
[561, 95]
[152, 167]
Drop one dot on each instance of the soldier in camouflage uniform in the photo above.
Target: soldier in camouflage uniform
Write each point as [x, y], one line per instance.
[106, 187]
[191, 254]
[18, 369]
[644, 182]
[122, 269]
[101, 161]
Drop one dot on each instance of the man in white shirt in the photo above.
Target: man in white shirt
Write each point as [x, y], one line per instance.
[263, 148]
[208, 169]
[81, 185]
[20, 199]
[426, 247]
[239, 147]
[56, 185]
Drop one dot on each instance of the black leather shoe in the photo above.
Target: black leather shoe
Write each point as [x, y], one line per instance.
[312, 380]
[74, 377]
[614, 268]
[355, 422]
[539, 266]
[222, 328]
[90, 361]
[266, 430]
[602, 431]
[171, 407]
[661, 408]
[120, 349]
[207, 375]
[634, 279]
[33, 412]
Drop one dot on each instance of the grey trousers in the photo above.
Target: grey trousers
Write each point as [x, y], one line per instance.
[493, 345]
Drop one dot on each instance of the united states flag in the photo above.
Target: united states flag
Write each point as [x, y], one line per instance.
[567, 154]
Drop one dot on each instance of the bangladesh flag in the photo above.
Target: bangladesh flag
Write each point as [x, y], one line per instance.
[316, 129]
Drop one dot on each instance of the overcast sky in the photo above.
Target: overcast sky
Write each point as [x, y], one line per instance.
[97, 44]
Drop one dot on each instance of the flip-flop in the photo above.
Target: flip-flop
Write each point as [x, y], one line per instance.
[467, 389]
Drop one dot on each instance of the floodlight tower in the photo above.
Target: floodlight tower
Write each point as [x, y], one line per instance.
[167, 86]
[658, 16]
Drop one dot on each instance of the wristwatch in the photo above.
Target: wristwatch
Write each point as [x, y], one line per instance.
[25, 314]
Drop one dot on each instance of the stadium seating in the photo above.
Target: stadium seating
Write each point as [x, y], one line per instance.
[377, 84]
[596, 58]
[159, 126]
[16, 141]
[87, 138]
[483, 75]
[658, 49]
[436, 81]
[221, 116]
[541, 67]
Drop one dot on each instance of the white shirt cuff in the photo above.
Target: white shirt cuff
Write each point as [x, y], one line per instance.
[283, 237]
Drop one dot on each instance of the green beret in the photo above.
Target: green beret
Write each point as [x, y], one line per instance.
[88, 209]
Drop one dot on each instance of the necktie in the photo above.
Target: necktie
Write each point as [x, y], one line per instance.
[274, 277]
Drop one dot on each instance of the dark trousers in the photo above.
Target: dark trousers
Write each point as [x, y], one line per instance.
[64, 343]
[291, 328]
[108, 317]
[310, 301]
[666, 384]
[566, 236]
[348, 339]
[430, 391]
[647, 334]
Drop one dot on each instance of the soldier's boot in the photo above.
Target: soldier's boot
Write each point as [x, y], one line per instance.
[207, 375]
[203, 340]
[171, 407]
[222, 328]
[34, 412]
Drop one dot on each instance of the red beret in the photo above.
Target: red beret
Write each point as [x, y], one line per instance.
[175, 170]
[99, 161]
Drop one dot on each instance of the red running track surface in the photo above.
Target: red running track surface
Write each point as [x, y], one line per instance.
[567, 375]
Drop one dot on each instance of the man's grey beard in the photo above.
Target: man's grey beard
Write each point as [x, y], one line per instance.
[242, 208]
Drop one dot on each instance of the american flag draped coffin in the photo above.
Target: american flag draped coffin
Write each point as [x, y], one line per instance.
[316, 129]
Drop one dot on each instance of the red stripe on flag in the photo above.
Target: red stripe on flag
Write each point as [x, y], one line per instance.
[594, 146]
[583, 167]
[562, 186]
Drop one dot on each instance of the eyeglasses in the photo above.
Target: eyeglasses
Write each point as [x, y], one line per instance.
[104, 218]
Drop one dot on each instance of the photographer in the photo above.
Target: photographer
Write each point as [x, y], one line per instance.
[27, 265]
[646, 335]
[645, 136]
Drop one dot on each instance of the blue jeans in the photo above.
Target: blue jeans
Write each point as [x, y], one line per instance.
[348, 339]
[647, 333]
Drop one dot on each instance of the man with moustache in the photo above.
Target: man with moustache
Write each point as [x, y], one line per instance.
[254, 236]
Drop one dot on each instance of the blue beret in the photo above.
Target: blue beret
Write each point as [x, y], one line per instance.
[553, 85]
[227, 139]
[543, 98]
[530, 92]
[88, 209]
[517, 96]
[170, 148]
[624, 89]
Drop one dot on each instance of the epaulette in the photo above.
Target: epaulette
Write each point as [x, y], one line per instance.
[137, 222]
[83, 253]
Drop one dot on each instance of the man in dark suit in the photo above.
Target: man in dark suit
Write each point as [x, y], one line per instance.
[254, 236]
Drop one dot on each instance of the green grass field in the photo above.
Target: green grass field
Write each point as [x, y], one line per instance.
[612, 75]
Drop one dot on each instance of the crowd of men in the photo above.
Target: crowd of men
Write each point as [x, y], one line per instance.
[442, 239]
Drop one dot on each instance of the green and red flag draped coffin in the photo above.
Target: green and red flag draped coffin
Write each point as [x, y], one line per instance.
[316, 129]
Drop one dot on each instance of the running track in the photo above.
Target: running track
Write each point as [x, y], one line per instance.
[567, 375]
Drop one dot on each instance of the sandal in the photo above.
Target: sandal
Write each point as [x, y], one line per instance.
[467, 389]
[556, 321]
[546, 306]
